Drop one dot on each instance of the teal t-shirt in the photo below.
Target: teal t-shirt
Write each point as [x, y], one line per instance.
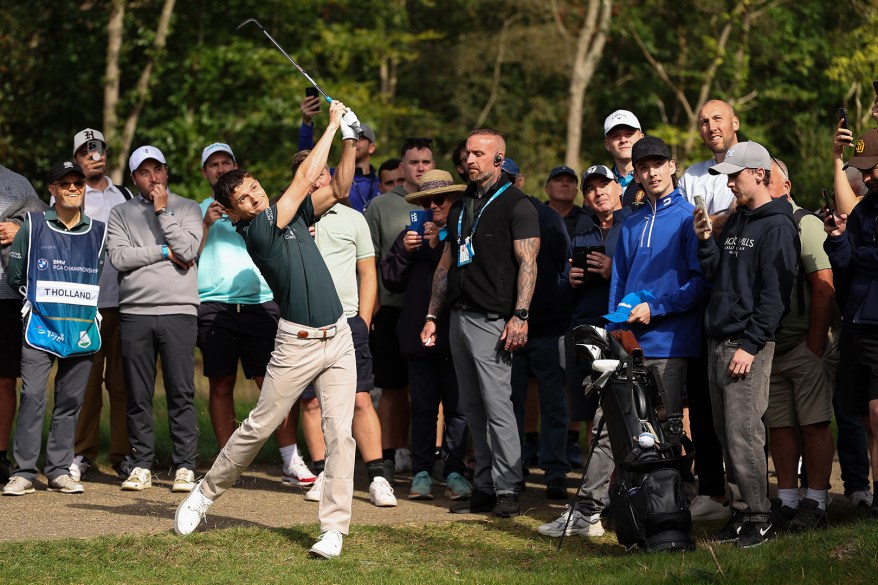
[292, 266]
[226, 273]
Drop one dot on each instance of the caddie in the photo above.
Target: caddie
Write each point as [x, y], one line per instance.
[55, 263]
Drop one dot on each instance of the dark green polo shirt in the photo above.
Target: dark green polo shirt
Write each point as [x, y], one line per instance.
[293, 267]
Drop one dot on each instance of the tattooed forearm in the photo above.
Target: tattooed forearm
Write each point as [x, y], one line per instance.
[526, 254]
[440, 282]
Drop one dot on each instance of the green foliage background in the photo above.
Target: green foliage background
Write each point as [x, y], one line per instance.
[787, 70]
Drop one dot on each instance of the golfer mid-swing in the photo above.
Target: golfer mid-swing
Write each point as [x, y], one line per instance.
[313, 338]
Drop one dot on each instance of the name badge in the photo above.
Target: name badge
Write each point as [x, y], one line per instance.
[465, 253]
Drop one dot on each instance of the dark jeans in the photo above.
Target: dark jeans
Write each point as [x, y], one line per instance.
[853, 449]
[541, 357]
[432, 380]
[144, 337]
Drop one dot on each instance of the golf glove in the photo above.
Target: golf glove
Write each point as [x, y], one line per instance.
[350, 126]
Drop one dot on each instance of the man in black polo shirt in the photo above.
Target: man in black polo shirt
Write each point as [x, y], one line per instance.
[488, 272]
[313, 342]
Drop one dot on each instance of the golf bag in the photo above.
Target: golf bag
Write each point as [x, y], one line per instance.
[647, 500]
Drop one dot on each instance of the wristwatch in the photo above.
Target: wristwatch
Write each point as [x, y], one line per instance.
[522, 314]
[164, 211]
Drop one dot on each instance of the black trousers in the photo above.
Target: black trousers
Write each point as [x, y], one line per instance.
[144, 338]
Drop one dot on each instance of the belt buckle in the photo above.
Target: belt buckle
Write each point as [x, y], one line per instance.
[302, 335]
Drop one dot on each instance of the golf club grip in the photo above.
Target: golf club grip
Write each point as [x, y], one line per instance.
[628, 341]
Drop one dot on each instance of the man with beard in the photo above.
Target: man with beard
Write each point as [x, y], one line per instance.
[487, 275]
[853, 254]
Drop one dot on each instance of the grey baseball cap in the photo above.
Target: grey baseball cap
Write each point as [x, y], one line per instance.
[744, 155]
[596, 171]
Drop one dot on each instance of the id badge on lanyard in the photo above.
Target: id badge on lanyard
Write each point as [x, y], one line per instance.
[465, 253]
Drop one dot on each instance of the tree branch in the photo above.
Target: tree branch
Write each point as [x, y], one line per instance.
[498, 67]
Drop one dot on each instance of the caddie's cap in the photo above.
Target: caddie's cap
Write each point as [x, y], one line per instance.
[865, 152]
[60, 169]
[621, 118]
[143, 153]
[562, 170]
[649, 146]
[213, 149]
[744, 155]
[84, 136]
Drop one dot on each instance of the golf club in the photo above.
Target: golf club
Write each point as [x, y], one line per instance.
[356, 126]
[281, 49]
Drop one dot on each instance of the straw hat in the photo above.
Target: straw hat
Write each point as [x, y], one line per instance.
[434, 183]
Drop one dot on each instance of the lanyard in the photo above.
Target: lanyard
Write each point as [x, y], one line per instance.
[472, 231]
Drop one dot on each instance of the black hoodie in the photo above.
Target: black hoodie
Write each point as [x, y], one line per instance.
[752, 274]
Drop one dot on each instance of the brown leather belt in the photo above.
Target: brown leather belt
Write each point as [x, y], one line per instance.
[304, 332]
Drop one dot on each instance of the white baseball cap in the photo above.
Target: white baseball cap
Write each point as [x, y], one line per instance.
[84, 136]
[621, 118]
[143, 153]
[213, 149]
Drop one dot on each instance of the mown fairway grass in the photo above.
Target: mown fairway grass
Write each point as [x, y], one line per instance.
[480, 551]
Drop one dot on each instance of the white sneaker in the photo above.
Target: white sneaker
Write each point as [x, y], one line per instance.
[706, 508]
[191, 511]
[381, 494]
[297, 474]
[65, 485]
[861, 499]
[328, 546]
[138, 480]
[79, 467]
[184, 481]
[402, 461]
[313, 495]
[18, 486]
[579, 524]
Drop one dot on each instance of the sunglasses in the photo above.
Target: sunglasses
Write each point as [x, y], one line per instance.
[439, 200]
[66, 184]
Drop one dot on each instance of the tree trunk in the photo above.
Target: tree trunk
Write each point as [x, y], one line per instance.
[589, 48]
[141, 90]
[111, 82]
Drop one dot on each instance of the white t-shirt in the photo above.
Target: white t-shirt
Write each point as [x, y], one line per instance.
[697, 181]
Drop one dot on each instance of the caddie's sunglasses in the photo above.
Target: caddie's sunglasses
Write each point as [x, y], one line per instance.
[439, 200]
[66, 184]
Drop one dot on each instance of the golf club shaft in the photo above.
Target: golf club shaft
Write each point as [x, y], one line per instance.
[285, 54]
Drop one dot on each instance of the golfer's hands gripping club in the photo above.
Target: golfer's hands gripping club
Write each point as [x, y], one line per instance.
[336, 111]
[350, 126]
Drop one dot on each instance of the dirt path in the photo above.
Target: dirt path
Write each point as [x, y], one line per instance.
[260, 500]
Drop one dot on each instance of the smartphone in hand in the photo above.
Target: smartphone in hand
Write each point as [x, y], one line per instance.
[843, 116]
[311, 91]
[828, 201]
[700, 204]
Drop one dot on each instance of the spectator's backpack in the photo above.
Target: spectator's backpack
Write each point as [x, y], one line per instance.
[647, 500]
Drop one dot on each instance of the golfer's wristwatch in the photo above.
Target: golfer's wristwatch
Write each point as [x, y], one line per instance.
[522, 314]
[164, 211]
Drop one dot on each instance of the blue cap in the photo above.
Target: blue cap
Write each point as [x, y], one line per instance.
[628, 302]
[562, 170]
[510, 167]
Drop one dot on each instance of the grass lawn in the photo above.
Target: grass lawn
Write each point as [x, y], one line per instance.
[480, 551]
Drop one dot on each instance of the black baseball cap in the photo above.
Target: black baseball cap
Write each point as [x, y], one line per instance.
[649, 146]
[562, 170]
[60, 169]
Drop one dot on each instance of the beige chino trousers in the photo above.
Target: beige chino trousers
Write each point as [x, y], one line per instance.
[295, 363]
